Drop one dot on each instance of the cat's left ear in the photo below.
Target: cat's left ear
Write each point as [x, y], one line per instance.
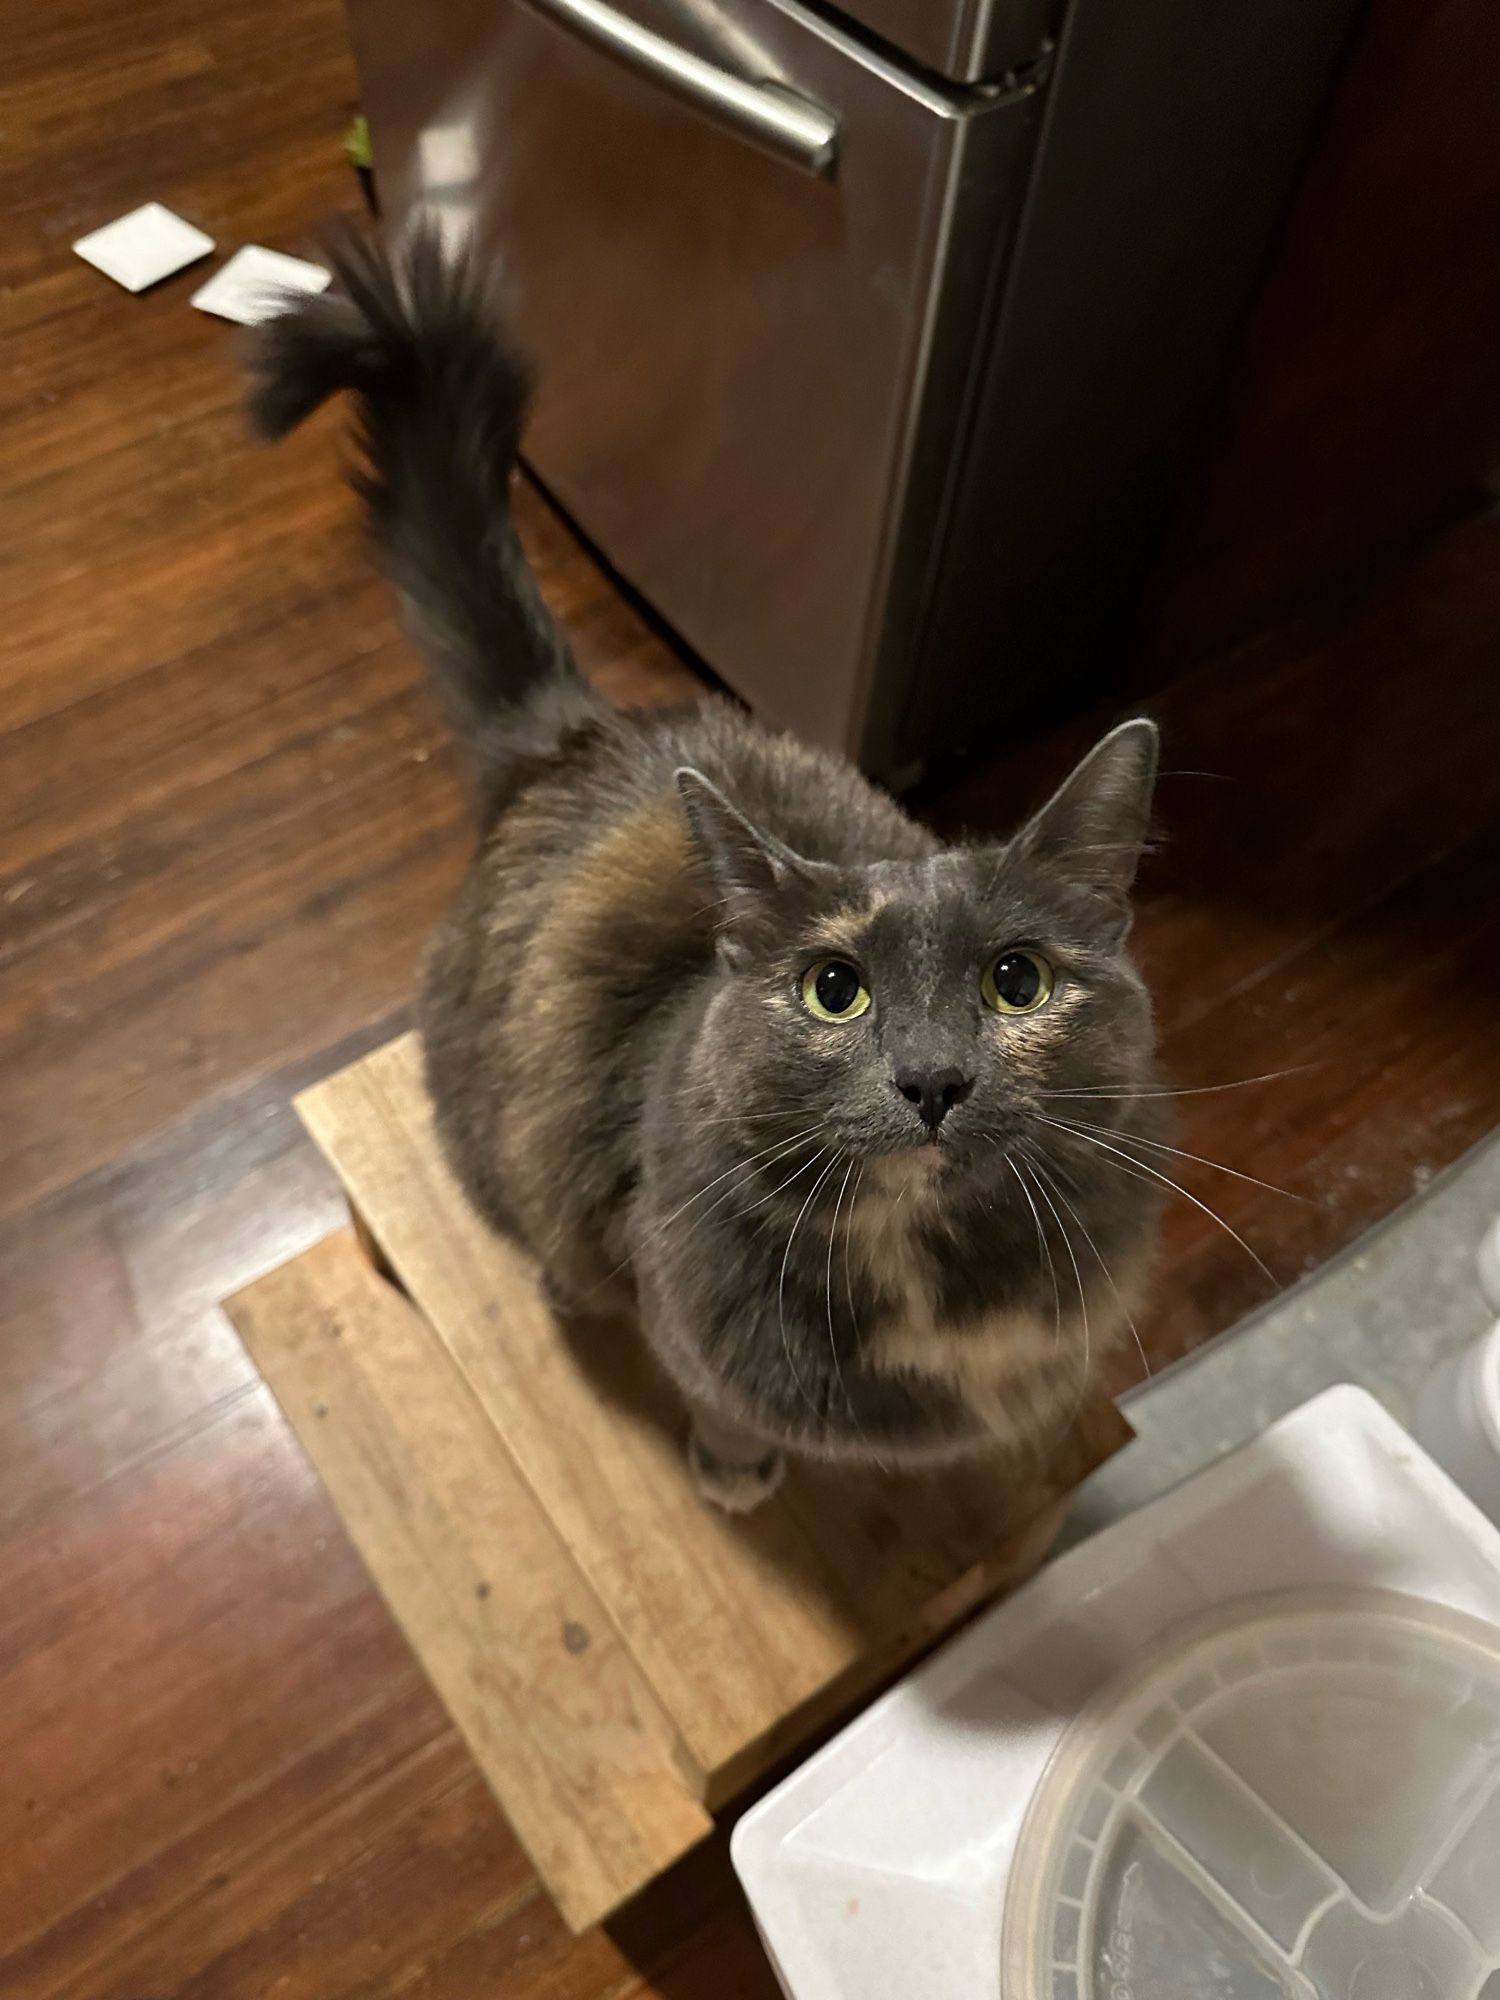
[750, 870]
[1093, 828]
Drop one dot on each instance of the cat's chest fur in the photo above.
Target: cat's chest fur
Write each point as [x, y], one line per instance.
[994, 1358]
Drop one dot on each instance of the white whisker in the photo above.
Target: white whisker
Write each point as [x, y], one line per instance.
[848, 1233]
[786, 1345]
[833, 1346]
[733, 1125]
[1144, 1168]
[1083, 1304]
[1045, 1248]
[771, 1193]
[1190, 1090]
[1109, 1276]
[782, 1148]
[739, 1166]
[1180, 1152]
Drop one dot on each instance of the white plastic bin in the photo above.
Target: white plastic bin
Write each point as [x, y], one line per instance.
[1243, 1745]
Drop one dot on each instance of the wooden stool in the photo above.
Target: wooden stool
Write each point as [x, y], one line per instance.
[621, 1659]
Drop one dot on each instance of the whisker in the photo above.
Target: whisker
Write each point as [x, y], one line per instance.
[1190, 1090]
[775, 1146]
[1070, 1180]
[1104, 847]
[771, 1193]
[1082, 1125]
[859, 1342]
[1046, 1249]
[719, 902]
[739, 1119]
[1083, 1304]
[687, 1096]
[833, 1228]
[781, 1147]
[786, 1345]
[1109, 1276]
[848, 1233]
[1144, 1168]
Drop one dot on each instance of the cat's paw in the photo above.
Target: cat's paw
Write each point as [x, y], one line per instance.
[734, 1489]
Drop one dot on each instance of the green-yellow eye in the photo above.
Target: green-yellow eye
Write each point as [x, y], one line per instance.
[1018, 982]
[833, 991]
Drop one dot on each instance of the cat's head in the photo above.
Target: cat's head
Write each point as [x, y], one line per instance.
[932, 1012]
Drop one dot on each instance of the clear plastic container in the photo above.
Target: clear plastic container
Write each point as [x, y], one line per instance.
[1300, 1801]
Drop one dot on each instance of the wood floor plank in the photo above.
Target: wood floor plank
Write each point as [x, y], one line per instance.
[293, 917]
[1382, 1025]
[197, 1559]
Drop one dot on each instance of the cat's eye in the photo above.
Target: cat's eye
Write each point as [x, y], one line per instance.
[1018, 982]
[832, 990]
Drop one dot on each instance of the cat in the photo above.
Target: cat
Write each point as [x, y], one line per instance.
[715, 1027]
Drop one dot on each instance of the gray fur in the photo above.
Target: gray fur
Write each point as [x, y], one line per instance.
[441, 396]
[623, 1068]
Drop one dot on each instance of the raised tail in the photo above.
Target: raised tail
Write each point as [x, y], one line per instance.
[442, 396]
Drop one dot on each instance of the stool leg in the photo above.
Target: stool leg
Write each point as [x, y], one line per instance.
[374, 1253]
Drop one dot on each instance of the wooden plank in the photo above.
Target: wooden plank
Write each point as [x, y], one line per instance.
[511, 1636]
[751, 1631]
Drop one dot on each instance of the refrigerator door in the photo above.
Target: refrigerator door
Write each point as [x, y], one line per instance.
[750, 257]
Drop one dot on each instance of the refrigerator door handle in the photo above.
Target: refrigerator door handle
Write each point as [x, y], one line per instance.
[767, 114]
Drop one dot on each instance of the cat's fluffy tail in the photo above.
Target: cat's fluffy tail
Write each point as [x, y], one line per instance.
[441, 397]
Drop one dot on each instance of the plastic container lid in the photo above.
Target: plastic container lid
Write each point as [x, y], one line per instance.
[1298, 1802]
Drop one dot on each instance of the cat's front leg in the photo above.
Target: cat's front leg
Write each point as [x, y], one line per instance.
[732, 1469]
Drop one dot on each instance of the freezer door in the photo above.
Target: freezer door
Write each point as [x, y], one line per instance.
[754, 331]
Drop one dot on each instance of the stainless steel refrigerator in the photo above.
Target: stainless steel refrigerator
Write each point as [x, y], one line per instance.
[873, 340]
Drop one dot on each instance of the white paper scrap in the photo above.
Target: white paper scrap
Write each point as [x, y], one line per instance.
[253, 285]
[143, 247]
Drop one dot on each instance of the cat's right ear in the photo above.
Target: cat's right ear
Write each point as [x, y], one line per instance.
[1093, 828]
[749, 870]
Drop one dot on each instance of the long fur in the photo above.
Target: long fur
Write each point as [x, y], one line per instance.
[623, 1066]
[442, 395]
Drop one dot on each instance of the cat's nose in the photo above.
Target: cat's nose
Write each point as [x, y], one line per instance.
[933, 1091]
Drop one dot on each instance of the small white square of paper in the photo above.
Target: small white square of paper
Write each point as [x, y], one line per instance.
[253, 285]
[143, 247]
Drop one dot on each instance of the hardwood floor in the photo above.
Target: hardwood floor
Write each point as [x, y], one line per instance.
[228, 815]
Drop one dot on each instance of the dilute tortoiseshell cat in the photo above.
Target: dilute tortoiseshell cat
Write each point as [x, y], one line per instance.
[713, 1025]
